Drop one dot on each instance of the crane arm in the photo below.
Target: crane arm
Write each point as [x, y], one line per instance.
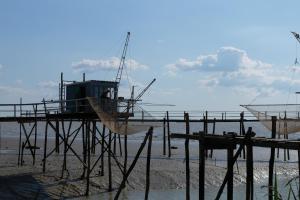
[296, 36]
[122, 61]
[144, 90]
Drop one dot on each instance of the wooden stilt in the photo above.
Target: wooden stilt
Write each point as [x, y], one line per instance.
[271, 162]
[125, 157]
[57, 136]
[20, 146]
[115, 143]
[120, 144]
[213, 132]
[35, 133]
[148, 166]
[201, 167]
[164, 137]
[109, 163]
[84, 147]
[169, 139]
[88, 133]
[299, 172]
[150, 131]
[249, 166]
[248, 135]
[45, 147]
[93, 146]
[102, 150]
[187, 157]
[230, 163]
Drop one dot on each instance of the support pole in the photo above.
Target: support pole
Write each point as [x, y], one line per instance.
[169, 138]
[115, 143]
[93, 146]
[20, 145]
[35, 133]
[230, 163]
[272, 158]
[150, 131]
[148, 166]
[88, 133]
[299, 171]
[164, 137]
[109, 163]
[125, 157]
[45, 147]
[187, 156]
[102, 150]
[249, 166]
[120, 145]
[57, 136]
[201, 166]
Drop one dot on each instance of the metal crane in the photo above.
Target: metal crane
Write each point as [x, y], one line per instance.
[132, 101]
[298, 39]
[144, 90]
[122, 61]
[296, 36]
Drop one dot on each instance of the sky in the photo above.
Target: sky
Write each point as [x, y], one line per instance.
[205, 55]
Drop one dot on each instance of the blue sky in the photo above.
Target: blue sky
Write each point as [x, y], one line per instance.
[206, 55]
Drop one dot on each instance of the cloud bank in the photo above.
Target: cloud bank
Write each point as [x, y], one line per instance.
[232, 68]
[90, 65]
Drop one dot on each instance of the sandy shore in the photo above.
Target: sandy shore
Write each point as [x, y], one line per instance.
[29, 182]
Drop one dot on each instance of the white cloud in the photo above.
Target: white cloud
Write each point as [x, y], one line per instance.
[232, 67]
[1, 66]
[226, 59]
[90, 65]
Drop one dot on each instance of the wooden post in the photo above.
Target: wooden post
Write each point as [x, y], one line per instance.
[109, 163]
[164, 137]
[102, 150]
[249, 166]
[169, 138]
[115, 143]
[84, 147]
[45, 147]
[150, 131]
[125, 157]
[93, 146]
[230, 163]
[57, 136]
[299, 171]
[20, 142]
[187, 156]
[272, 158]
[35, 132]
[213, 132]
[148, 166]
[248, 135]
[201, 167]
[88, 132]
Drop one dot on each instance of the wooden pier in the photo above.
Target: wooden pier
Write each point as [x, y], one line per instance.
[94, 133]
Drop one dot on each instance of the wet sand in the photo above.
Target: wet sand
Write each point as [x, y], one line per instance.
[28, 181]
